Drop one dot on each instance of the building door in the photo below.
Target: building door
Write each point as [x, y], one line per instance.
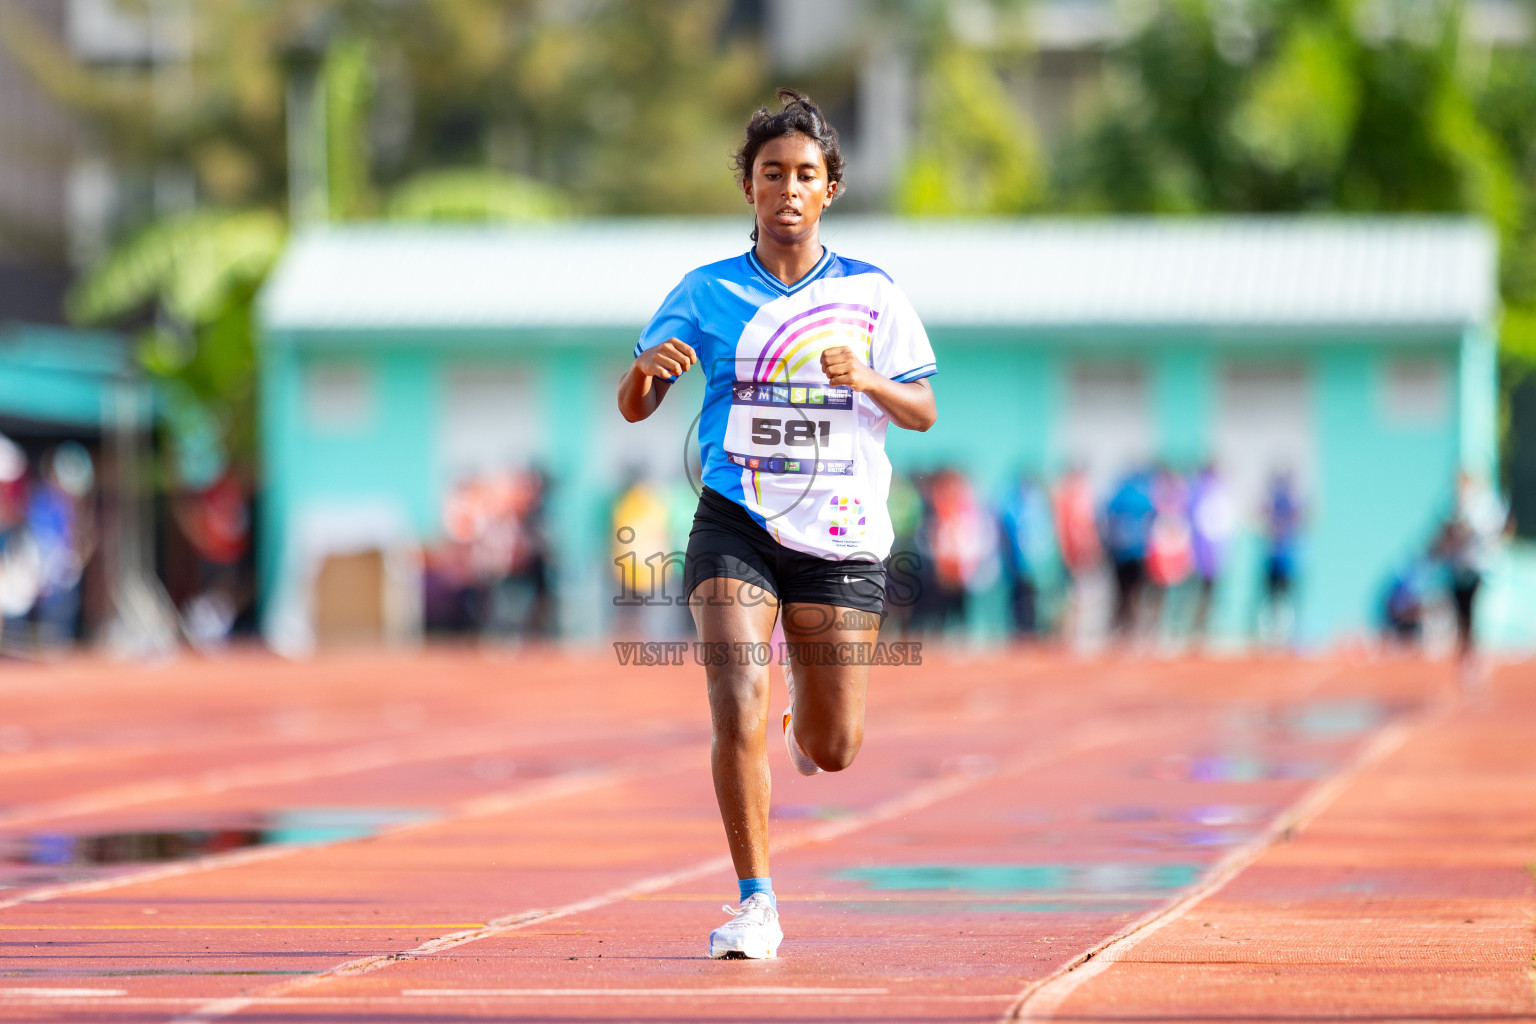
[349, 600]
[1107, 426]
[1263, 427]
[492, 421]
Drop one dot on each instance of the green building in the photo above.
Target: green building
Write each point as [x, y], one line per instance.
[1357, 354]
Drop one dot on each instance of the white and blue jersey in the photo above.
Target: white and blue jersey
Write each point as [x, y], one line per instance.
[807, 460]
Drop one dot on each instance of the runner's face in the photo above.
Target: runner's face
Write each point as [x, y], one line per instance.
[789, 188]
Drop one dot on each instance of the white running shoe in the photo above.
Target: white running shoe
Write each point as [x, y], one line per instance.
[797, 757]
[752, 933]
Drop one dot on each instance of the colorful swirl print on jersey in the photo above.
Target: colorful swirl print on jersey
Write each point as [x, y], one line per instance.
[847, 514]
[802, 338]
[805, 336]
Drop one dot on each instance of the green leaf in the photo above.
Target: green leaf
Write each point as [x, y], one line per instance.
[1301, 108]
[978, 153]
[190, 265]
[348, 92]
[1517, 335]
[474, 194]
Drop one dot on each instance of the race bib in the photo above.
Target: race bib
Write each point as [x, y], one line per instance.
[791, 428]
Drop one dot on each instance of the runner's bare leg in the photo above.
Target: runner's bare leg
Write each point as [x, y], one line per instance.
[738, 712]
[828, 714]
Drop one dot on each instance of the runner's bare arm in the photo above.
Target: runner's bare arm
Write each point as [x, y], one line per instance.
[645, 384]
[910, 406]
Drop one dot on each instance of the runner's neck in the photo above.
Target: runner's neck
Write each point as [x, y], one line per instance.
[789, 262]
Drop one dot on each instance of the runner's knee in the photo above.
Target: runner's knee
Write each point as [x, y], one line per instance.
[738, 703]
[832, 749]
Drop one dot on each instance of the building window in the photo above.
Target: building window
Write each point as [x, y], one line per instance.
[339, 398]
[1107, 427]
[492, 421]
[1416, 392]
[1263, 427]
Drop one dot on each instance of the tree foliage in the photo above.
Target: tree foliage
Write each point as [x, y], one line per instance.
[975, 149]
[977, 152]
[479, 110]
[188, 264]
[199, 272]
[1320, 106]
[1289, 105]
[525, 109]
[475, 195]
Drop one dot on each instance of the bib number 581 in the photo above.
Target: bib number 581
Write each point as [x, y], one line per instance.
[795, 433]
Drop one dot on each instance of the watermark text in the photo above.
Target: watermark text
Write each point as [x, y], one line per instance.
[654, 653]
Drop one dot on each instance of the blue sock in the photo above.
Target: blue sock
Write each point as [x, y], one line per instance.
[748, 886]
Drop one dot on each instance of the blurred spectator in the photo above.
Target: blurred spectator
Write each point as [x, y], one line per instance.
[682, 502]
[928, 603]
[642, 531]
[963, 540]
[20, 566]
[491, 573]
[217, 523]
[1128, 522]
[60, 523]
[13, 486]
[1077, 538]
[1168, 545]
[1282, 528]
[1467, 543]
[904, 567]
[1027, 542]
[522, 600]
[452, 601]
[1402, 609]
[1213, 521]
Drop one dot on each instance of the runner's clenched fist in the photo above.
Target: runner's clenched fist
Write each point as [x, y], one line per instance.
[671, 358]
[843, 369]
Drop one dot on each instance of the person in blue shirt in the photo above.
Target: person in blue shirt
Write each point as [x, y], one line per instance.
[1025, 519]
[1402, 605]
[808, 357]
[1283, 514]
[1128, 522]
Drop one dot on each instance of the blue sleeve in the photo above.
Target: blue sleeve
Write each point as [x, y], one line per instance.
[675, 319]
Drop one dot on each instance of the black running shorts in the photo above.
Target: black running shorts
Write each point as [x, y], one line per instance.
[727, 541]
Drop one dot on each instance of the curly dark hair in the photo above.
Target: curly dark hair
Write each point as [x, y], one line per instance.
[800, 116]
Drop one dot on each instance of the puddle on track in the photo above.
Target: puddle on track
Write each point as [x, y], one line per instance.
[21, 855]
[1336, 719]
[1056, 906]
[37, 975]
[808, 812]
[1075, 879]
[1103, 888]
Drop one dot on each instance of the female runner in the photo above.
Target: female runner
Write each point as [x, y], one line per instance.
[807, 357]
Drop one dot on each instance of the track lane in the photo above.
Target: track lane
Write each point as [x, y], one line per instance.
[971, 718]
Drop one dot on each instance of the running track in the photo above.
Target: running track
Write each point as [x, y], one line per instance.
[1268, 840]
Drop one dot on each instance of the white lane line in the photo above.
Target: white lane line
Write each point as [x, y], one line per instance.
[838, 995]
[917, 798]
[60, 993]
[234, 858]
[1041, 1000]
[283, 771]
[225, 1007]
[603, 993]
[913, 800]
[552, 788]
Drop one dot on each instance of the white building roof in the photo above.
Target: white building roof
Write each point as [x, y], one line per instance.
[1281, 272]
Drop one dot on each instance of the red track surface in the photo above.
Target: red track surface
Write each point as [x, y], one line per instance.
[1270, 841]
